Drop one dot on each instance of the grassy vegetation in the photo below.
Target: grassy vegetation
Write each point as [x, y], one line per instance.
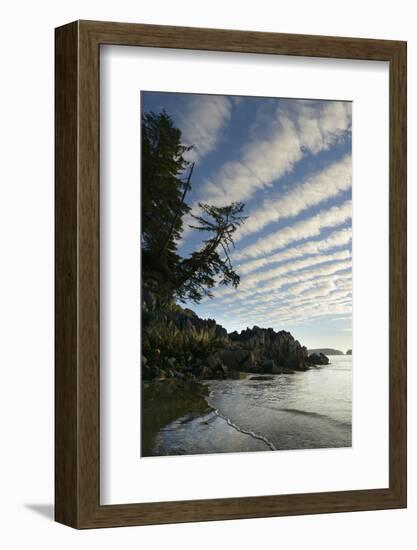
[166, 340]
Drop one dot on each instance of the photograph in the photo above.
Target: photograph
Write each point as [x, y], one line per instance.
[246, 273]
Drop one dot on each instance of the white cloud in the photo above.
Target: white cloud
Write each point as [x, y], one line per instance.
[337, 319]
[318, 291]
[298, 265]
[304, 229]
[321, 132]
[317, 188]
[250, 300]
[281, 281]
[301, 289]
[260, 164]
[284, 316]
[201, 120]
[294, 128]
[338, 282]
[253, 281]
[338, 238]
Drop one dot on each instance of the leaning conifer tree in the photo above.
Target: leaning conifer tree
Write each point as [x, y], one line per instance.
[212, 264]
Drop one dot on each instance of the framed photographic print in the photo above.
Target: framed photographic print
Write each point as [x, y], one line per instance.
[230, 274]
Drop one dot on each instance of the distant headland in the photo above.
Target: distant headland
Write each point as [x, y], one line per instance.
[328, 351]
[325, 351]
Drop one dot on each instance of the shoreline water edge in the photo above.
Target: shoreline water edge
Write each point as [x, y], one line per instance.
[302, 410]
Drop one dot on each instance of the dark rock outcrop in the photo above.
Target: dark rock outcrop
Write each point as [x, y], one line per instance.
[176, 343]
[271, 350]
[318, 359]
[349, 352]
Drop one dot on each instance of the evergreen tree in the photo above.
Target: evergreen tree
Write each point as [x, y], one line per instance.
[207, 267]
[163, 196]
[166, 177]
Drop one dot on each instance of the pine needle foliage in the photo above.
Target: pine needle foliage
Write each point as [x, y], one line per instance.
[166, 181]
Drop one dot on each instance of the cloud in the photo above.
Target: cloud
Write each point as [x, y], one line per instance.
[291, 291]
[338, 281]
[298, 265]
[338, 238]
[318, 291]
[293, 274]
[201, 119]
[337, 319]
[296, 313]
[322, 132]
[295, 128]
[321, 297]
[284, 303]
[315, 189]
[304, 229]
[279, 282]
[261, 163]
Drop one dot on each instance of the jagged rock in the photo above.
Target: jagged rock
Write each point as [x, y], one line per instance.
[150, 373]
[147, 373]
[234, 358]
[280, 347]
[214, 361]
[223, 371]
[175, 341]
[205, 374]
[318, 359]
[176, 373]
[268, 366]
[189, 313]
[252, 362]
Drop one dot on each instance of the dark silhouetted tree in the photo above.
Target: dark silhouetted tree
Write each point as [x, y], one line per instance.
[211, 264]
[166, 180]
[163, 196]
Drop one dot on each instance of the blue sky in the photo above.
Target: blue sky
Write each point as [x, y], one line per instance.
[289, 161]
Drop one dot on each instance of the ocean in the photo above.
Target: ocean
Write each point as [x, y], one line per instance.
[304, 410]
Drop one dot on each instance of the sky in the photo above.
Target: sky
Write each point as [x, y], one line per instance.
[289, 161]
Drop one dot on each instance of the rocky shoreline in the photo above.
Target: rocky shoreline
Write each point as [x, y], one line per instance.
[176, 343]
[180, 351]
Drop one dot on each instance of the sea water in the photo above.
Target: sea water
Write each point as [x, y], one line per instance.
[304, 410]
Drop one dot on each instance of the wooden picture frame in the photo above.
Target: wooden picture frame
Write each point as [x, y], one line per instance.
[77, 374]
